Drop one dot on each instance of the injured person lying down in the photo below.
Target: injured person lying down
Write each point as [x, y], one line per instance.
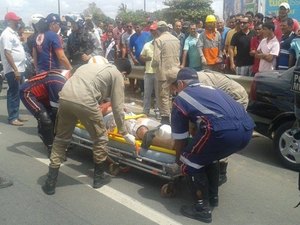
[148, 130]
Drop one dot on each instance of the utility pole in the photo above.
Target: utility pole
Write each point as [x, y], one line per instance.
[58, 6]
[144, 5]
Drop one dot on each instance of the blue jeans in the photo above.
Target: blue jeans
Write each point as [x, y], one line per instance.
[150, 84]
[13, 96]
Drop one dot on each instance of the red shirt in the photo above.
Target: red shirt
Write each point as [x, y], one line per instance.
[253, 46]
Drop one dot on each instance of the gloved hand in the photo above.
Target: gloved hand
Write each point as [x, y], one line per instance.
[130, 139]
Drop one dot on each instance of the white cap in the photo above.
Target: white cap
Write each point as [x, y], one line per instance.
[170, 26]
[285, 5]
[35, 18]
[98, 59]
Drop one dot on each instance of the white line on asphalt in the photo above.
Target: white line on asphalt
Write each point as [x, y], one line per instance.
[113, 194]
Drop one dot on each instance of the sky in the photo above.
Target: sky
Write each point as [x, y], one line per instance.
[26, 8]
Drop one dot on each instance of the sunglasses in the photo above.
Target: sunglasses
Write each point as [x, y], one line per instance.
[244, 22]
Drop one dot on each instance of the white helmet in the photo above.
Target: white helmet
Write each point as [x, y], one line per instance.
[36, 18]
[98, 59]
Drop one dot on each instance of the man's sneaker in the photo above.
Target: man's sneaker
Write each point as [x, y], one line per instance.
[198, 212]
[16, 122]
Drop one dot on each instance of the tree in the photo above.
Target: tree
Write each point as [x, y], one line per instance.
[122, 8]
[96, 14]
[138, 16]
[190, 10]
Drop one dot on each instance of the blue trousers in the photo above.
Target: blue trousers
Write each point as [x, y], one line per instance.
[13, 97]
[208, 146]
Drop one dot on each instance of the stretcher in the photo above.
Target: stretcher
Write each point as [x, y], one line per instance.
[154, 160]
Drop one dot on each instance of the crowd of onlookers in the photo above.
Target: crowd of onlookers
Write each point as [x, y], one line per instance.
[244, 44]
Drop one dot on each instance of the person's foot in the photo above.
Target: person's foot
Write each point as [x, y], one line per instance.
[5, 183]
[16, 122]
[198, 212]
[23, 119]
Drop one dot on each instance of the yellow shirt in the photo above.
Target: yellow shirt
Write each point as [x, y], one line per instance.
[148, 52]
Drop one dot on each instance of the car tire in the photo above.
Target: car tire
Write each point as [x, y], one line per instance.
[285, 144]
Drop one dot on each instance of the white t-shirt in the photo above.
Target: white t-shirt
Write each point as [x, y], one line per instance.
[268, 47]
[9, 40]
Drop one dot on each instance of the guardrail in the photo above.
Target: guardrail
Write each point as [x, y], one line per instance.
[138, 73]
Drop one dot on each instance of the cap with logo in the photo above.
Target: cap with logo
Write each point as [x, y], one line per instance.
[285, 5]
[187, 74]
[52, 17]
[11, 16]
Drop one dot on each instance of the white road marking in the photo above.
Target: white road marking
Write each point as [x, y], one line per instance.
[112, 193]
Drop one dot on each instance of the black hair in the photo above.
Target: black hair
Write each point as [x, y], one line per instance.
[250, 13]
[289, 21]
[259, 16]
[269, 25]
[123, 65]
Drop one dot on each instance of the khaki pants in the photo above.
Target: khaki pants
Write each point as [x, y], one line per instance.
[164, 98]
[68, 115]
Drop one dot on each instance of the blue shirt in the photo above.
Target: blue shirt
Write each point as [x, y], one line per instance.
[284, 53]
[223, 36]
[46, 44]
[295, 47]
[208, 107]
[190, 45]
[137, 42]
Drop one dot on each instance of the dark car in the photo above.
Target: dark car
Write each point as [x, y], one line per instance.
[272, 108]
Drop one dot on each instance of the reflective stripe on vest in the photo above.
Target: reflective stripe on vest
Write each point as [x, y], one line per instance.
[198, 105]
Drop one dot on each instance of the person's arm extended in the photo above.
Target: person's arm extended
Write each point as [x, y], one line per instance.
[184, 56]
[11, 62]
[178, 146]
[63, 59]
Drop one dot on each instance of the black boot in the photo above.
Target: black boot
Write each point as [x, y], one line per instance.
[100, 178]
[50, 183]
[198, 184]
[200, 211]
[212, 172]
[223, 173]
[165, 120]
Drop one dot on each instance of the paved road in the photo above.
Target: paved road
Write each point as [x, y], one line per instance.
[259, 191]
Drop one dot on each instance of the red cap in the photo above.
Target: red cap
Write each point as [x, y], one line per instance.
[153, 26]
[11, 16]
